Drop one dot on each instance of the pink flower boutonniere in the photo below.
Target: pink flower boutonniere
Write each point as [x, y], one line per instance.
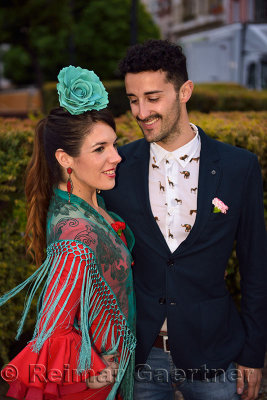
[118, 227]
[219, 206]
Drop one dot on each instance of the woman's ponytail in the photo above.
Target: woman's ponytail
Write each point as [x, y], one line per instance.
[38, 190]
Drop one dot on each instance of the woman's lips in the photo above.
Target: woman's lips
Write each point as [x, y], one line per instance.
[111, 173]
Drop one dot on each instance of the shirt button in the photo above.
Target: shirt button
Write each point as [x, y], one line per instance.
[162, 300]
[170, 263]
[172, 302]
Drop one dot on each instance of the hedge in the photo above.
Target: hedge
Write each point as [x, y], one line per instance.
[248, 130]
[226, 97]
[205, 98]
[16, 138]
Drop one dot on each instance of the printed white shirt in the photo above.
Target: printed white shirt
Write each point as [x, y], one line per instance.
[173, 186]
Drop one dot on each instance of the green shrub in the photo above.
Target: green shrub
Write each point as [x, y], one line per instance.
[118, 101]
[50, 96]
[226, 97]
[16, 138]
[205, 98]
[248, 130]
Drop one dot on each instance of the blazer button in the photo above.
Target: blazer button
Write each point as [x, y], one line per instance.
[162, 300]
[170, 263]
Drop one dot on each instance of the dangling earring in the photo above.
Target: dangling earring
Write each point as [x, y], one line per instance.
[98, 191]
[69, 182]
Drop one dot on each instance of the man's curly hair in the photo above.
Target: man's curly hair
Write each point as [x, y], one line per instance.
[154, 55]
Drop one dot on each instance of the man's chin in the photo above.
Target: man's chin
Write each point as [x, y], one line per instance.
[150, 136]
[149, 139]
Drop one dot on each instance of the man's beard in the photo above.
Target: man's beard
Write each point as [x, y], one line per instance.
[166, 133]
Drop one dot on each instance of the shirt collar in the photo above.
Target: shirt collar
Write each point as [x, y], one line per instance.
[190, 149]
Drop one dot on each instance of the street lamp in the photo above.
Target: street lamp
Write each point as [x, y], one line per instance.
[133, 22]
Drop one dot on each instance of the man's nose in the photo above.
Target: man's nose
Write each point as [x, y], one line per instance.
[143, 111]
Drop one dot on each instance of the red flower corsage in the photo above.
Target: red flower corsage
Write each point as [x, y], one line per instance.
[118, 227]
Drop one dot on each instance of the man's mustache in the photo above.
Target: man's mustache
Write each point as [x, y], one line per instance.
[148, 118]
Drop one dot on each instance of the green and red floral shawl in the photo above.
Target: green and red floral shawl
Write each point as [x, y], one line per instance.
[107, 286]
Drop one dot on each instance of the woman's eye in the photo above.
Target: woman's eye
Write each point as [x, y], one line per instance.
[133, 101]
[153, 100]
[99, 149]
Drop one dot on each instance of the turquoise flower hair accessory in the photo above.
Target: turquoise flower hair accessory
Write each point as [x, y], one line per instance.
[80, 90]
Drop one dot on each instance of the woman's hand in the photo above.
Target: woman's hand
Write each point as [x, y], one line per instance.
[107, 376]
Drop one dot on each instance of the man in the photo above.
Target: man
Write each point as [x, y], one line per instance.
[188, 199]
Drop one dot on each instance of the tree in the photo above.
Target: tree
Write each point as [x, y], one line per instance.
[107, 36]
[46, 35]
[37, 31]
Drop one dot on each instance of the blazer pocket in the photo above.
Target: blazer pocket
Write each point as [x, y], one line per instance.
[221, 328]
[220, 217]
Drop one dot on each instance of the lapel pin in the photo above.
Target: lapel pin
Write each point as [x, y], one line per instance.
[213, 172]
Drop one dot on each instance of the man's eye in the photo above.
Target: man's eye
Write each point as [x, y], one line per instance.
[99, 149]
[153, 99]
[133, 101]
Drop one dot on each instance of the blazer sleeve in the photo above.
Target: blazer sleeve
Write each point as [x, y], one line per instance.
[252, 256]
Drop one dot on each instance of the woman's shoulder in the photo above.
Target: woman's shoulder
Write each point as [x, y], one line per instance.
[65, 221]
[60, 208]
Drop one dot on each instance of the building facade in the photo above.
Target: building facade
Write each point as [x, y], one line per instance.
[178, 18]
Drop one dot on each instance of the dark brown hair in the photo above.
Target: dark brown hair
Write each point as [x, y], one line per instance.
[59, 130]
[155, 55]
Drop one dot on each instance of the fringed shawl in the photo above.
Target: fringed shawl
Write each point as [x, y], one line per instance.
[101, 263]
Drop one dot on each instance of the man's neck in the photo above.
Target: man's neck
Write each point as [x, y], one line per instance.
[183, 135]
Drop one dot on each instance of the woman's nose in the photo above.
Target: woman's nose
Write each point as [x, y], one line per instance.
[115, 157]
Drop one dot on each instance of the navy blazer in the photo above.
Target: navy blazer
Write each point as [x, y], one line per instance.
[188, 286]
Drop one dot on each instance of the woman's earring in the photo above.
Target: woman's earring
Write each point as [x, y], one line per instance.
[98, 191]
[69, 182]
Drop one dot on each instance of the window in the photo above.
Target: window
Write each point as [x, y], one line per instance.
[264, 73]
[250, 13]
[164, 7]
[251, 81]
[236, 11]
[215, 6]
[189, 8]
[260, 11]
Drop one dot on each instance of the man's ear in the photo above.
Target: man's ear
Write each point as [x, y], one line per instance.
[63, 158]
[186, 91]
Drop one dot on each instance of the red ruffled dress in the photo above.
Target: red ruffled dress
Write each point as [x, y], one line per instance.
[52, 374]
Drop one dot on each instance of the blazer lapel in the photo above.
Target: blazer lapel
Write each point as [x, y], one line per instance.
[140, 173]
[209, 178]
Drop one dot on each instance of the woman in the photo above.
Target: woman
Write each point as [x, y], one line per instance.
[84, 340]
